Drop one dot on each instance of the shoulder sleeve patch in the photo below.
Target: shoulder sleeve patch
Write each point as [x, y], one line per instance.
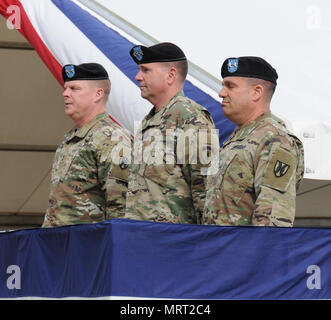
[280, 169]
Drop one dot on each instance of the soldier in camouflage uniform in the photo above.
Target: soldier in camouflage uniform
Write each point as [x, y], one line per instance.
[90, 169]
[261, 165]
[167, 178]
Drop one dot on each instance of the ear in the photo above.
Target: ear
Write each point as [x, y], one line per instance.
[172, 75]
[99, 94]
[257, 92]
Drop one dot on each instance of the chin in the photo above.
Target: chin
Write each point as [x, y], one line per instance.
[68, 113]
[144, 96]
[225, 112]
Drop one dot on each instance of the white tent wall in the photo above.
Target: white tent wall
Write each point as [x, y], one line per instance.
[33, 123]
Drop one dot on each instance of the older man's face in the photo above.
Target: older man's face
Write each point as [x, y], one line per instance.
[78, 98]
[152, 78]
[236, 99]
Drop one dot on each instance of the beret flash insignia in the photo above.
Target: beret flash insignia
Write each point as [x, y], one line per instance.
[70, 71]
[138, 53]
[233, 65]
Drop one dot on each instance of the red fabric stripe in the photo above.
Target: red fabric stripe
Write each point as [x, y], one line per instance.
[28, 31]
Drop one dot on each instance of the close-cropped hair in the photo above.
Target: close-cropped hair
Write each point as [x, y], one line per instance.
[180, 66]
[269, 87]
[105, 85]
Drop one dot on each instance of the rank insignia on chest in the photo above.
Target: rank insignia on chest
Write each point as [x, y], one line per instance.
[280, 169]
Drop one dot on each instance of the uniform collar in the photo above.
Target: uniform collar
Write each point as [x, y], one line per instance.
[240, 133]
[154, 117]
[82, 132]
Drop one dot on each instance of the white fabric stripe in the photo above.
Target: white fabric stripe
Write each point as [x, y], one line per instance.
[193, 80]
[69, 45]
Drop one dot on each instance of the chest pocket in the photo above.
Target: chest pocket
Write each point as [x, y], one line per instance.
[160, 174]
[155, 164]
[236, 178]
[65, 157]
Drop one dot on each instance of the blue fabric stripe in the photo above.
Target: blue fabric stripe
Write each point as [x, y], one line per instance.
[116, 48]
[131, 258]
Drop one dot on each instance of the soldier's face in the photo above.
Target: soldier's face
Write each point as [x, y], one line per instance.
[78, 98]
[152, 78]
[236, 99]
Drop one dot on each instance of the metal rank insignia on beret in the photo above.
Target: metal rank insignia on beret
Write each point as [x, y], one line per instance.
[70, 71]
[124, 163]
[233, 65]
[138, 53]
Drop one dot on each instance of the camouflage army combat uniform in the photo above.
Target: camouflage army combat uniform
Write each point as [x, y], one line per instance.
[89, 174]
[261, 166]
[168, 185]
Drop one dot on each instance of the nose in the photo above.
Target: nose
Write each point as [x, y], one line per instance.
[138, 76]
[222, 93]
[65, 92]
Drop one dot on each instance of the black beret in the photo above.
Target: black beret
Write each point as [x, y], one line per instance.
[84, 71]
[161, 52]
[249, 67]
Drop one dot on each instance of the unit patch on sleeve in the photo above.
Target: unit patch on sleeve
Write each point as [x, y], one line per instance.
[280, 169]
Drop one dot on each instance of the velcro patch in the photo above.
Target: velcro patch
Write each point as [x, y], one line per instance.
[280, 169]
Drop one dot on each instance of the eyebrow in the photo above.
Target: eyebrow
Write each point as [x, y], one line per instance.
[143, 67]
[70, 85]
[228, 82]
